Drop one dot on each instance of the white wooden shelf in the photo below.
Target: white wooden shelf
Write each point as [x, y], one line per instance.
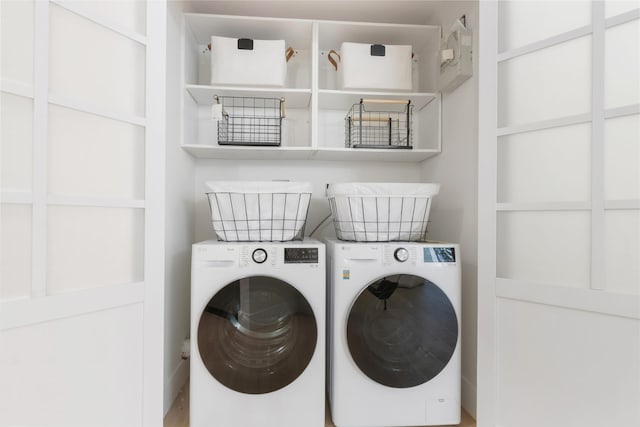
[237, 152]
[294, 98]
[373, 154]
[307, 153]
[343, 100]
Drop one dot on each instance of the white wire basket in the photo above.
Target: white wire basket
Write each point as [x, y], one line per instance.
[381, 212]
[256, 211]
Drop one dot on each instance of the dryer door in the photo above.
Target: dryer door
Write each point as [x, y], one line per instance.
[402, 330]
[257, 335]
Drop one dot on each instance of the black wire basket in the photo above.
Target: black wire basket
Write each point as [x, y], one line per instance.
[250, 121]
[369, 126]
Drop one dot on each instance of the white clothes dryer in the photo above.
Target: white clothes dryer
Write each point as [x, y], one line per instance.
[258, 334]
[393, 334]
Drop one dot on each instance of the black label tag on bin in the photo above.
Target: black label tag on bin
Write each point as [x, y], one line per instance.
[377, 50]
[245, 44]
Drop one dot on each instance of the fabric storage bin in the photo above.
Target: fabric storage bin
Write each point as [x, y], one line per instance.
[248, 62]
[373, 66]
[381, 212]
[259, 210]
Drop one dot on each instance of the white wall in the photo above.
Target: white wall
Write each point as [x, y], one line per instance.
[179, 220]
[454, 211]
[318, 173]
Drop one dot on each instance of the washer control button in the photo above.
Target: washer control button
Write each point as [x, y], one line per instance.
[259, 256]
[401, 254]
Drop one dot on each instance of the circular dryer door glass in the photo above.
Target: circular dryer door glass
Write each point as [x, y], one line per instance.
[257, 335]
[402, 330]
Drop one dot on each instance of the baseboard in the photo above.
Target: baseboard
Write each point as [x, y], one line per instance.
[469, 397]
[174, 384]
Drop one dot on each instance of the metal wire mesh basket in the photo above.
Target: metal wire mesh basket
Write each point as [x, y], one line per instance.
[250, 121]
[371, 127]
[370, 217]
[273, 213]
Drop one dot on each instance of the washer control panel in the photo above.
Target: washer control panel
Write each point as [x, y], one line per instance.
[300, 255]
[392, 254]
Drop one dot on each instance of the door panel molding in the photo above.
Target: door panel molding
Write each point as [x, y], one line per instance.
[24, 312]
[590, 300]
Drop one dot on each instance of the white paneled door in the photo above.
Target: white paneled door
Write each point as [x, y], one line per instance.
[559, 214]
[82, 212]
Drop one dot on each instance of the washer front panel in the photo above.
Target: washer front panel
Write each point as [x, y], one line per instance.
[257, 335]
[402, 330]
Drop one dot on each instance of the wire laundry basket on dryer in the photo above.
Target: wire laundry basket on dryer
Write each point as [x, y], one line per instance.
[381, 212]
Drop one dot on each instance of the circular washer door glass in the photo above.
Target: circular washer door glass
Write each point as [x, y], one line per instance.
[257, 335]
[402, 330]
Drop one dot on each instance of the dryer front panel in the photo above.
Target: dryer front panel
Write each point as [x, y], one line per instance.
[402, 330]
[257, 335]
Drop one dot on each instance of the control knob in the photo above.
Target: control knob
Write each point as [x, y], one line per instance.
[259, 256]
[401, 254]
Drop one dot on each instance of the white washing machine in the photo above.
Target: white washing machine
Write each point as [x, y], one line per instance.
[393, 333]
[258, 334]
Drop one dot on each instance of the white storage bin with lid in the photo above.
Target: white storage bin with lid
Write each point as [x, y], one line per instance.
[373, 66]
[259, 210]
[248, 62]
[381, 212]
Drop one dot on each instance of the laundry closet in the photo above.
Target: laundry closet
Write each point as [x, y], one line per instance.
[111, 130]
[316, 103]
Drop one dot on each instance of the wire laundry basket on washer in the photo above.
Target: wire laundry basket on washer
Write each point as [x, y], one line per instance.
[381, 212]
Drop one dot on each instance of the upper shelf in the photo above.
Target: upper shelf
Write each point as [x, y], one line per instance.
[307, 153]
[300, 98]
[294, 98]
[343, 100]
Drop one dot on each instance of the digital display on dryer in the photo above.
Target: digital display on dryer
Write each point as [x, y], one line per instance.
[439, 255]
[301, 255]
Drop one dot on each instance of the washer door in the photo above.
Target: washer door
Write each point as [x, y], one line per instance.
[402, 330]
[257, 335]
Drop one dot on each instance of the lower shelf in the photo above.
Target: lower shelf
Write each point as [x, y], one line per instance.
[307, 153]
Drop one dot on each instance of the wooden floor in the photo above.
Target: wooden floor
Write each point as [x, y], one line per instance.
[178, 415]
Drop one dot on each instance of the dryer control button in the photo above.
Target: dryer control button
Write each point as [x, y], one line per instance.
[401, 254]
[259, 256]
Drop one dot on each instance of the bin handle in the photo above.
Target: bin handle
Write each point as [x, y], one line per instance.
[288, 54]
[282, 115]
[332, 60]
[385, 101]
